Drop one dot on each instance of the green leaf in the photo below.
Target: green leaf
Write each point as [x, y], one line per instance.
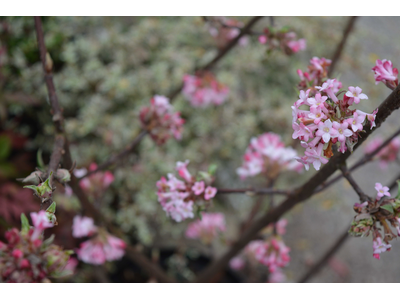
[39, 159]
[5, 147]
[51, 208]
[32, 187]
[388, 207]
[24, 224]
[48, 242]
[398, 190]
[212, 169]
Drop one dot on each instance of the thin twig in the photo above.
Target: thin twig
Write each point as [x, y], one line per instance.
[391, 103]
[254, 191]
[339, 49]
[136, 256]
[128, 149]
[325, 258]
[353, 183]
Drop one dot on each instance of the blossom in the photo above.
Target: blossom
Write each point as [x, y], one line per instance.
[342, 131]
[237, 263]
[203, 90]
[354, 93]
[384, 71]
[83, 226]
[40, 221]
[206, 229]
[267, 154]
[326, 131]
[382, 190]
[356, 122]
[178, 197]
[95, 184]
[101, 248]
[379, 247]
[198, 187]
[315, 156]
[298, 45]
[210, 192]
[161, 121]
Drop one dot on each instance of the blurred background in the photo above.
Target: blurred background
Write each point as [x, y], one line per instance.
[107, 68]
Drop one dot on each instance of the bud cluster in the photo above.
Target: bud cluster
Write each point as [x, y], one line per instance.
[177, 197]
[203, 89]
[207, 228]
[271, 252]
[283, 39]
[268, 155]
[27, 258]
[383, 211]
[95, 184]
[101, 246]
[160, 120]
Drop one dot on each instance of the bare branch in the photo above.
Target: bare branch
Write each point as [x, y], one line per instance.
[254, 191]
[339, 49]
[325, 258]
[353, 183]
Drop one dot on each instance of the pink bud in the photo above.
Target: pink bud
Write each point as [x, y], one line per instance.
[17, 253]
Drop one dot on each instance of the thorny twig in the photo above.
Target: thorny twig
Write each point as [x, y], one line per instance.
[131, 252]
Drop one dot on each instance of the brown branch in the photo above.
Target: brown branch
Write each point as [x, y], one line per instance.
[58, 151]
[220, 54]
[325, 258]
[367, 158]
[90, 210]
[339, 48]
[254, 191]
[128, 149]
[353, 183]
[391, 103]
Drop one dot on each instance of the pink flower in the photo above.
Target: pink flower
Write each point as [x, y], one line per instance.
[100, 249]
[160, 120]
[380, 247]
[198, 187]
[210, 192]
[203, 90]
[328, 87]
[356, 122]
[237, 263]
[355, 95]
[83, 226]
[318, 101]
[382, 190]
[326, 131]
[179, 210]
[385, 72]
[276, 277]
[342, 131]
[296, 46]
[315, 156]
[96, 183]
[183, 171]
[262, 39]
[387, 154]
[206, 229]
[40, 221]
[17, 253]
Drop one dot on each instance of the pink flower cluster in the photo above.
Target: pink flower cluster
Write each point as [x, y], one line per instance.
[26, 258]
[326, 121]
[272, 253]
[160, 120]
[315, 75]
[384, 71]
[387, 154]
[282, 39]
[203, 90]
[177, 197]
[101, 247]
[267, 154]
[225, 30]
[206, 229]
[95, 184]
